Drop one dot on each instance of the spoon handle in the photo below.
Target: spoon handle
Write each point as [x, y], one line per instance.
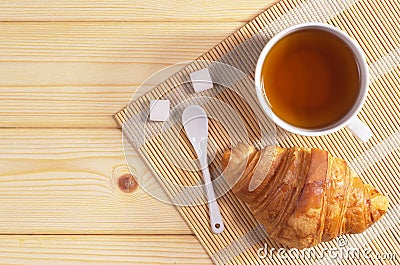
[217, 224]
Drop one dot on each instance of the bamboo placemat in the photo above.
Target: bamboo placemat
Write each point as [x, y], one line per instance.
[376, 26]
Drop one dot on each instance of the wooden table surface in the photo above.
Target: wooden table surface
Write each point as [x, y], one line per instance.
[66, 67]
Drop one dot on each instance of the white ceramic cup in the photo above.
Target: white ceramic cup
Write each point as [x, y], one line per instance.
[350, 120]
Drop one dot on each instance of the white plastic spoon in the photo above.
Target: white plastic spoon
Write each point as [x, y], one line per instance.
[195, 122]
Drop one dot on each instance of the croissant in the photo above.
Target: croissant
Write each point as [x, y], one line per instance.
[302, 196]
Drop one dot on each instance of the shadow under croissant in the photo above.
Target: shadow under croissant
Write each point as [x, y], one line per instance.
[302, 196]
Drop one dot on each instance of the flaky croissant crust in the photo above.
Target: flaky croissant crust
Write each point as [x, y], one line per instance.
[302, 196]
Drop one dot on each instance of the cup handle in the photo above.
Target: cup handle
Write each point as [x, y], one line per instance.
[360, 130]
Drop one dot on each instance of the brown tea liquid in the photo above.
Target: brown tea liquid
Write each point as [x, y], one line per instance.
[311, 78]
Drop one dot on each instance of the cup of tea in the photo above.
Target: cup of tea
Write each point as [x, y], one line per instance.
[312, 79]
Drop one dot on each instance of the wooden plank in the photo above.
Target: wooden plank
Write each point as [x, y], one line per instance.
[59, 74]
[109, 42]
[110, 249]
[65, 181]
[131, 10]
[63, 106]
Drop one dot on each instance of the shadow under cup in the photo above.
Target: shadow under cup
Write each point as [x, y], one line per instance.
[313, 79]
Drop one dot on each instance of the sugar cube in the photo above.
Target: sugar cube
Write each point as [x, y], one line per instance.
[159, 110]
[201, 80]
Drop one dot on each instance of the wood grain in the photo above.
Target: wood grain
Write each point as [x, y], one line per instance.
[80, 74]
[131, 10]
[64, 106]
[63, 181]
[110, 249]
[110, 42]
